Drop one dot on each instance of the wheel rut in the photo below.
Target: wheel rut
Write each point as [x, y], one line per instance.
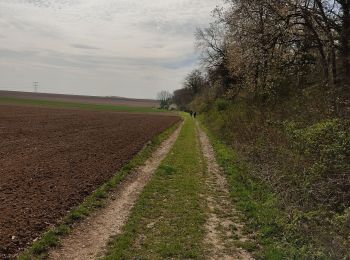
[223, 228]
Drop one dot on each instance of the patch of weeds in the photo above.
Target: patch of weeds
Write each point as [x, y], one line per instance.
[62, 230]
[246, 245]
[235, 236]
[50, 239]
[103, 193]
[234, 228]
[167, 170]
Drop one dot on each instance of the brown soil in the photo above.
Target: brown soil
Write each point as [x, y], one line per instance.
[51, 159]
[90, 237]
[223, 226]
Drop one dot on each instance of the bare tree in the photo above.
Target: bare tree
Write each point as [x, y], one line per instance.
[164, 97]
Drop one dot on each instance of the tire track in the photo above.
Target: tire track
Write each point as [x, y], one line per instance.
[223, 226]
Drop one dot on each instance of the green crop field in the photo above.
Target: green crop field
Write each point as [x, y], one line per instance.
[73, 105]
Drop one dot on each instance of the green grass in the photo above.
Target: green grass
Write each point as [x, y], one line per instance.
[96, 200]
[61, 104]
[168, 220]
[262, 214]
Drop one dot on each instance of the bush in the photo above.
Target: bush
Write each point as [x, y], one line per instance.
[221, 104]
[325, 147]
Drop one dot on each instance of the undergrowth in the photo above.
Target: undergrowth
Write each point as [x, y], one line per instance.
[290, 178]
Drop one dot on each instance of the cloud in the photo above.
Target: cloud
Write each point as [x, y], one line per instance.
[180, 28]
[16, 55]
[34, 28]
[83, 46]
[94, 61]
[142, 39]
[54, 4]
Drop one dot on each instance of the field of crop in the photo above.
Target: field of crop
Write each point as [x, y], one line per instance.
[51, 159]
[115, 101]
[76, 105]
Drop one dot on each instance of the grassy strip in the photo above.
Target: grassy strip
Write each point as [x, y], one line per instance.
[168, 220]
[51, 239]
[62, 104]
[260, 209]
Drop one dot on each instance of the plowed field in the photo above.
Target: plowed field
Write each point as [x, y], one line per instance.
[51, 159]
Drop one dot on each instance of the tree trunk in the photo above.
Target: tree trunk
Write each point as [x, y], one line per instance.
[345, 55]
[345, 39]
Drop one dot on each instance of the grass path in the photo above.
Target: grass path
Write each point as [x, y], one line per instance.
[185, 212]
[168, 219]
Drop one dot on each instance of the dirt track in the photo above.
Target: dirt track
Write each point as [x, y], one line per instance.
[223, 222]
[51, 159]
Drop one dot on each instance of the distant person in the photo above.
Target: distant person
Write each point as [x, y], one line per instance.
[191, 113]
[194, 114]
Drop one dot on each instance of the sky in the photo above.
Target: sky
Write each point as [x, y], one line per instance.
[129, 48]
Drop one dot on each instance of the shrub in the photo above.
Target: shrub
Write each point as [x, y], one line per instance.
[221, 104]
[325, 147]
[304, 163]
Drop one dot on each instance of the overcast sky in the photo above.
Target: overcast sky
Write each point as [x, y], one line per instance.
[131, 48]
